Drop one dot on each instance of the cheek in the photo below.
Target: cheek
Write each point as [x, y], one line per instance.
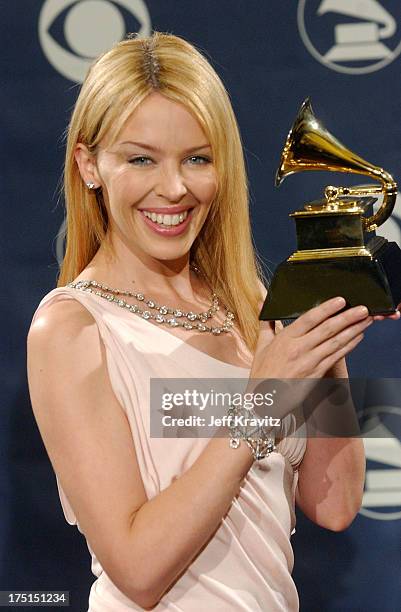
[127, 187]
[212, 189]
[206, 188]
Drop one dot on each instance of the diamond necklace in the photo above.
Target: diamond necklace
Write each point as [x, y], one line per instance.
[174, 321]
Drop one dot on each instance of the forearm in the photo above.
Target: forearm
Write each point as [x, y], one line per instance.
[170, 529]
[331, 476]
[331, 479]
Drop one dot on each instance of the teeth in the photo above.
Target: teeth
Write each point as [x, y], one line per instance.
[166, 219]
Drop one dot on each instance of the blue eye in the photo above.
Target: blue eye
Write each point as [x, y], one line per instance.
[140, 160]
[199, 159]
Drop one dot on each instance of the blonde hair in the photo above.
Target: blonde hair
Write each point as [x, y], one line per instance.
[114, 87]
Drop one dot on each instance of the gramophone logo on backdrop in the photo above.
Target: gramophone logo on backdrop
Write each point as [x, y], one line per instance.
[382, 496]
[351, 36]
[73, 33]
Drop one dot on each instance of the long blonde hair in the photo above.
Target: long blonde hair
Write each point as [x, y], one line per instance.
[114, 87]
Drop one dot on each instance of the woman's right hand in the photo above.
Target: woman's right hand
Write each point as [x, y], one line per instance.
[312, 344]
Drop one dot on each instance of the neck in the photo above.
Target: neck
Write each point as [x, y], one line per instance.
[120, 267]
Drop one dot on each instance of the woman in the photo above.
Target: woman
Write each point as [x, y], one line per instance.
[155, 182]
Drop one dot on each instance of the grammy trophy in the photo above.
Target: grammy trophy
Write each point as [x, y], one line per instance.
[338, 251]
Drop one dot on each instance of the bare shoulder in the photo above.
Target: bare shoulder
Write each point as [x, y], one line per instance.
[62, 318]
[63, 345]
[64, 338]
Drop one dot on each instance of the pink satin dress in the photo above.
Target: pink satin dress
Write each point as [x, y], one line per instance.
[247, 564]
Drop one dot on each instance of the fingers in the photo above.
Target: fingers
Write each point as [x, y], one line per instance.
[335, 325]
[310, 319]
[392, 317]
[339, 341]
[329, 361]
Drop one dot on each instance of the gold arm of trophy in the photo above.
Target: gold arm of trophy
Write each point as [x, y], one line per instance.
[310, 146]
[388, 188]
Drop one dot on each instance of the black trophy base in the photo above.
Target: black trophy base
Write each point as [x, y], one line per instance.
[298, 286]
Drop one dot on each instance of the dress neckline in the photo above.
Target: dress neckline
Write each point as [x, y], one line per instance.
[193, 348]
[178, 340]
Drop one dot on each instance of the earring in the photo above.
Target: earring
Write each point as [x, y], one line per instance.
[90, 185]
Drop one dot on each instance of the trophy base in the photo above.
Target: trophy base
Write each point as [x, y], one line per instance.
[300, 285]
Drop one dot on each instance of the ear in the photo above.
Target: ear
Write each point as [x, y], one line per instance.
[86, 162]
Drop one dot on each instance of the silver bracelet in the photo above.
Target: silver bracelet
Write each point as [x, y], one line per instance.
[260, 442]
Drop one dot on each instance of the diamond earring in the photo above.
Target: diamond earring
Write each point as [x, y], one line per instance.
[90, 185]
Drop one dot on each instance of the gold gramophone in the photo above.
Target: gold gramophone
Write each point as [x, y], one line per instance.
[338, 252]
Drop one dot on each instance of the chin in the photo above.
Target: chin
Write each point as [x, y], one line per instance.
[170, 254]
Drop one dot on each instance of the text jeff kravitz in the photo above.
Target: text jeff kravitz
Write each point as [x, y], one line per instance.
[223, 421]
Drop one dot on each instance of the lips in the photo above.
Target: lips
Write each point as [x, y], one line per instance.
[173, 230]
[168, 210]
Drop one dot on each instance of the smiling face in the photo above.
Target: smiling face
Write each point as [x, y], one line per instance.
[158, 180]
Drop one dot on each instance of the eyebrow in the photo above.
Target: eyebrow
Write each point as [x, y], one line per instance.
[149, 147]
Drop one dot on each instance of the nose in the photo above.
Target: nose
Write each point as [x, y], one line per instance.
[170, 183]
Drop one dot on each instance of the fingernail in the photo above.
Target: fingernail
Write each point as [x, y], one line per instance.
[362, 310]
[340, 301]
